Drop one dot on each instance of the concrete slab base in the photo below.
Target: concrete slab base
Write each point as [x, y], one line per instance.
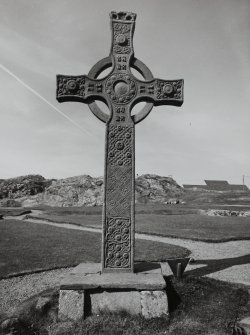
[87, 291]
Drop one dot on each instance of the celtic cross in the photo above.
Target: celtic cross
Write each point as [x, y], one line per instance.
[120, 90]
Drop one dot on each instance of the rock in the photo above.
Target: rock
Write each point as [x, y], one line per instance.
[71, 305]
[224, 212]
[153, 188]
[154, 304]
[18, 187]
[81, 191]
[129, 301]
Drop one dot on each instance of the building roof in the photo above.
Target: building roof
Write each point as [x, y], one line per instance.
[216, 182]
[218, 185]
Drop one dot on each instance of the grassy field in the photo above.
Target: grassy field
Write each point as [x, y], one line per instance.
[197, 306]
[27, 247]
[160, 220]
[205, 199]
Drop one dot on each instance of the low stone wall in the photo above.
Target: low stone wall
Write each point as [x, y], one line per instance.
[225, 212]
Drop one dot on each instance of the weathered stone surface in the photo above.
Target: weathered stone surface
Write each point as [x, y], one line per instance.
[140, 267]
[22, 186]
[154, 304]
[87, 191]
[114, 291]
[147, 276]
[116, 302]
[87, 268]
[138, 281]
[71, 305]
[166, 270]
[121, 91]
[152, 188]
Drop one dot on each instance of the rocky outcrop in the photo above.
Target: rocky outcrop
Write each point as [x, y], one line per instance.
[18, 187]
[85, 190]
[73, 191]
[154, 188]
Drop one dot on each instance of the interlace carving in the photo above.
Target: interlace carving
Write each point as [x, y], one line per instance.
[120, 141]
[118, 246]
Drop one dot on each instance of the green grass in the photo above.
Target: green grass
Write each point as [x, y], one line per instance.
[186, 226]
[197, 306]
[29, 247]
[213, 198]
[195, 227]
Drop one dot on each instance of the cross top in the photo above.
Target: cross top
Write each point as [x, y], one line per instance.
[120, 90]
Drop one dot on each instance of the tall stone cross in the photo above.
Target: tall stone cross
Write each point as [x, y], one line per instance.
[120, 90]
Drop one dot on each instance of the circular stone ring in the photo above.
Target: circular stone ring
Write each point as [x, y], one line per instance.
[105, 63]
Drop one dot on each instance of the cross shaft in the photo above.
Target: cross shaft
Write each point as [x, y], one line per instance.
[120, 90]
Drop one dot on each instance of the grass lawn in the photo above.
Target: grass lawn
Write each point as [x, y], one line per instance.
[189, 226]
[197, 306]
[26, 246]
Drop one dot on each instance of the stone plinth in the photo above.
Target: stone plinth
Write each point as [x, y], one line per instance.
[87, 291]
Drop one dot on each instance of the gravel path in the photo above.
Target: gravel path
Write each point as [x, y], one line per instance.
[18, 289]
[15, 290]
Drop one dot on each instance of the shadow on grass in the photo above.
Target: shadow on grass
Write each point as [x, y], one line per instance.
[215, 265]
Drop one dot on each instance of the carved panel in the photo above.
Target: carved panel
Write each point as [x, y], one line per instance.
[70, 85]
[122, 38]
[120, 145]
[169, 89]
[120, 152]
[119, 190]
[118, 243]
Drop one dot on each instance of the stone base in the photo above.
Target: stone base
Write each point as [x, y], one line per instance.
[87, 291]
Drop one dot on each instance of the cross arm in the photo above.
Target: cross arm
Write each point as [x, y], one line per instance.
[78, 88]
[161, 92]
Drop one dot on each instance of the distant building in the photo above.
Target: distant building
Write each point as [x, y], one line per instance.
[217, 185]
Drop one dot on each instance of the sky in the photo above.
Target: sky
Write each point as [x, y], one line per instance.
[204, 42]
